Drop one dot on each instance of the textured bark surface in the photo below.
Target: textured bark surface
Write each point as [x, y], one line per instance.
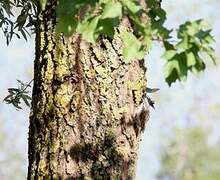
[87, 111]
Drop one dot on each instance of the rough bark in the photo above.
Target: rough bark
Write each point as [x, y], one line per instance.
[87, 110]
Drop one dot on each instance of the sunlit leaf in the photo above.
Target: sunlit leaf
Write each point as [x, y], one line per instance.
[88, 29]
[112, 10]
[133, 48]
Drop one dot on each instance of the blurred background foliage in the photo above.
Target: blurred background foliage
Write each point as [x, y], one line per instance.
[188, 155]
[11, 160]
[181, 141]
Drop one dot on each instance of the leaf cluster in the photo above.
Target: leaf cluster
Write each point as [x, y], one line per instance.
[187, 54]
[17, 94]
[102, 17]
[189, 155]
[17, 17]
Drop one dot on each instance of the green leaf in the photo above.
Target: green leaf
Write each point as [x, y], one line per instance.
[66, 25]
[88, 29]
[21, 20]
[152, 90]
[8, 98]
[176, 68]
[16, 94]
[205, 36]
[170, 72]
[13, 89]
[26, 102]
[23, 34]
[71, 7]
[158, 15]
[133, 6]
[151, 3]
[182, 66]
[106, 26]
[211, 52]
[169, 54]
[183, 44]
[25, 99]
[112, 10]
[169, 67]
[133, 48]
[193, 41]
[191, 60]
[43, 4]
[168, 45]
[200, 65]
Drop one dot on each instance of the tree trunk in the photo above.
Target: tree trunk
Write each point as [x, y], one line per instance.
[87, 110]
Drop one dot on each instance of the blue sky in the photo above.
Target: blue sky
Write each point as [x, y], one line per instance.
[197, 101]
